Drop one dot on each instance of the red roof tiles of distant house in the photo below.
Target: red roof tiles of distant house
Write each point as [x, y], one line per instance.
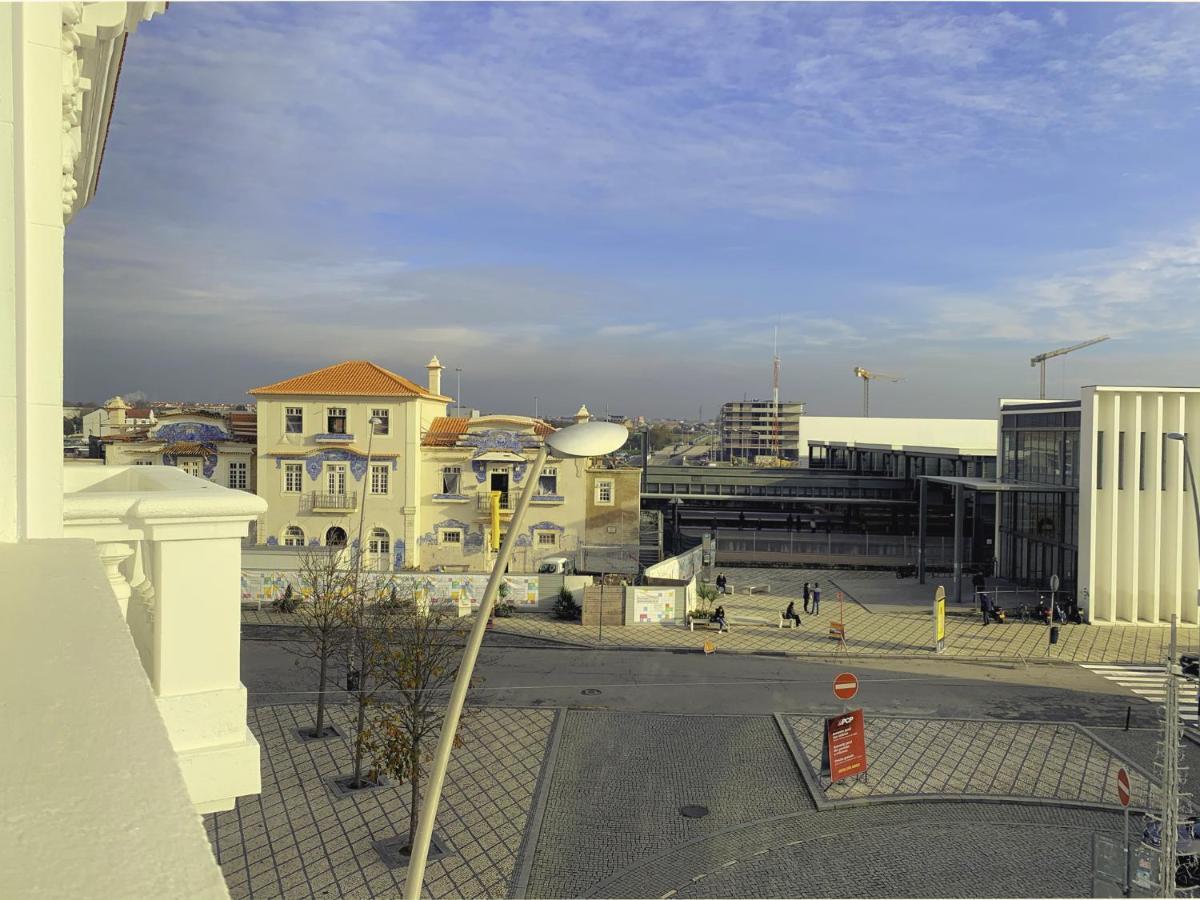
[356, 377]
[445, 431]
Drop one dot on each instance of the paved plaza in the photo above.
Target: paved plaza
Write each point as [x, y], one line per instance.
[296, 839]
[889, 623]
[964, 758]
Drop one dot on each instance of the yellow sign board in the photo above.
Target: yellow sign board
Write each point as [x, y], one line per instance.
[939, 619]
[709, 647]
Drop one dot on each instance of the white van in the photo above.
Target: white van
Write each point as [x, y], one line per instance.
[556, 565]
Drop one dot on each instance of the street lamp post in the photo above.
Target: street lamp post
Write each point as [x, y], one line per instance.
[578, 441]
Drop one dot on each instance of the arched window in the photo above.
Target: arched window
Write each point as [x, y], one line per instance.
[335, 537]
[293, 536]
[380, 542]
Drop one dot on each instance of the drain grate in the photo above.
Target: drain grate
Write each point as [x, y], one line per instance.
[590, 691]
[693, 812]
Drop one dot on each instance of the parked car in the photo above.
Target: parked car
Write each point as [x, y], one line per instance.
[556, 565]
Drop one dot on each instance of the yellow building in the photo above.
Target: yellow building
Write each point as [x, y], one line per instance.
[430, 490]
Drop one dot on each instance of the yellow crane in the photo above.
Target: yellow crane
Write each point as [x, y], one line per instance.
[1041, 358]
[866, 377]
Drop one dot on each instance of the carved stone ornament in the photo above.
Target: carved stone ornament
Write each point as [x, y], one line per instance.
[72, 103]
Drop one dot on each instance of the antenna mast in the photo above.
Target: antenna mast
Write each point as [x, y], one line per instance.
[775, 439]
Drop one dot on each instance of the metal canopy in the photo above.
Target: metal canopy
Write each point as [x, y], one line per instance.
[985, 484]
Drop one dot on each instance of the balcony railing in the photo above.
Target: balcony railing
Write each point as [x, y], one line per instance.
[320, 502]
[171, 548]
[508, 501]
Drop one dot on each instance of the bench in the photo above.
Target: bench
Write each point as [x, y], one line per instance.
[760, 588]
[747, 620]
[786, 623]
[693, 621]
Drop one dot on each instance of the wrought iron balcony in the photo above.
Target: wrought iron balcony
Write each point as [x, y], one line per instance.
[320, 502]
[508, 501]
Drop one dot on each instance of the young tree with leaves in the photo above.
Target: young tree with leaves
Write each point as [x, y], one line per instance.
[418, 657]
[323, 614]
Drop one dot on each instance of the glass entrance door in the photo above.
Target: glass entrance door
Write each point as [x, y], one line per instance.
[337, 478]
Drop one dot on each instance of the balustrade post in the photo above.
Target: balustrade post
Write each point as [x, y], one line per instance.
[112, 554]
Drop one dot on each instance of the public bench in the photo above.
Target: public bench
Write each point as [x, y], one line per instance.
[760, 588]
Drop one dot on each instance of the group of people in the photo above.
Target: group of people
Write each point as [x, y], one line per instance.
[811, 597]
[812, 603]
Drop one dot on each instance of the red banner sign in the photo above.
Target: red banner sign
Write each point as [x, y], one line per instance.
[845, 750]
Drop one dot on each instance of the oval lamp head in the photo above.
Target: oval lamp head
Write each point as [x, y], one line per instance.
[587, 439]
[1175, 436]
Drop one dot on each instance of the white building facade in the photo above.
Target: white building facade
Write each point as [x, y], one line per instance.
[204, 445]
[1139, 559]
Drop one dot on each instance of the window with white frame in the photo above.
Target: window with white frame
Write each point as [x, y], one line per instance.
[548, 481]
[335, 474]
[379, 478]
[293, 420]
[450, 536]
[384, 421]
[143, 462]
[191, 465]
[335, 420]
[237, 476]
[293, 477]
[451, 479]
[293, 536]
[547, 538]
[604, 492]
[380, 542]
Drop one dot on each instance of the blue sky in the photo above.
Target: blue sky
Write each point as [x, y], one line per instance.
[617, 203]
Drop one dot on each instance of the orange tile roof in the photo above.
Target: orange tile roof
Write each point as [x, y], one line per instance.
[444, 431]
[353, 377]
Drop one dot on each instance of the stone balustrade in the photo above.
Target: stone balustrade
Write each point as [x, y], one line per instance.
[171, 547]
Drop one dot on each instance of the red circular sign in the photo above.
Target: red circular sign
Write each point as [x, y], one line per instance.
[1123, 787]
[845, 686]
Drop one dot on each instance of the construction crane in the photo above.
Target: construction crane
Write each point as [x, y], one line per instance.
[1061, 351]
[866, 377]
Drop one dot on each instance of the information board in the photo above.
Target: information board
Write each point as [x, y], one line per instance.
[844, 751]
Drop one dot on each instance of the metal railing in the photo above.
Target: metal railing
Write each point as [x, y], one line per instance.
[884, 549]
[508, 501]
[319, 500]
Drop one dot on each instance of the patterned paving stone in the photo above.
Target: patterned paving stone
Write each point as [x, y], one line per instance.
[296, 840]
[930, 757]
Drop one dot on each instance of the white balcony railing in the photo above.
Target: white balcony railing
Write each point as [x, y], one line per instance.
[171, 547]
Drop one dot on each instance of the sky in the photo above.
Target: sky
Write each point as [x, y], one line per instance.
[620, 204]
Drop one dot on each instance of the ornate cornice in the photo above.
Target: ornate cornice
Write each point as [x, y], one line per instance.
[72, 103]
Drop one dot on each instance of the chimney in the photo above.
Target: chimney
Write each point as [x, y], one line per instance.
[435, 375]
[583, 415]
[116, 412]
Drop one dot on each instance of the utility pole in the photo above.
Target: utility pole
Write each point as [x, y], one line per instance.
[535, 407]
[458, 372]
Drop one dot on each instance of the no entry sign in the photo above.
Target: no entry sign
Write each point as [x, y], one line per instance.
[845, 686]
[1123, 787]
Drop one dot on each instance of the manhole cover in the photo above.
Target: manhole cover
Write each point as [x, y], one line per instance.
[590, 691]
[693, 812]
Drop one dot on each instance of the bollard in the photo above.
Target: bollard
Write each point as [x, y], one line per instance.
[1128, 713]
[1054, 634]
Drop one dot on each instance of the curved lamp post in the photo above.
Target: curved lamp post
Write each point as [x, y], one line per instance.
[577, 441]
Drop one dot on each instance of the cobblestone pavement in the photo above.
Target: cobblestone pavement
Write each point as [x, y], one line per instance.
[965, 850]
[954, 757]
[296, 839]
[620, 780]
[877, 629]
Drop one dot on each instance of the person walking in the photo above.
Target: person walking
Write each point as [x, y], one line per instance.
[806, 597]
[790, 613]
[985, 606]
[816, 598]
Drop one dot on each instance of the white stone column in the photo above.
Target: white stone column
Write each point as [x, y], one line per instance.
[32, 111]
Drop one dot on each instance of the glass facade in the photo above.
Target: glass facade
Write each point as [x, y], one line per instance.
[1039, 530]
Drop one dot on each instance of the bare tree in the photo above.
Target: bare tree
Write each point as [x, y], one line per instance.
[418, 657]
[327, 589]
[368, 612]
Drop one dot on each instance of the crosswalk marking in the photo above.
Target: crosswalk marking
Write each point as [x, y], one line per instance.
[1149, 683]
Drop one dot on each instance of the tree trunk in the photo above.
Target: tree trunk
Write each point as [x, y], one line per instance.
[319, 729]
[414, 815]
[359, 744]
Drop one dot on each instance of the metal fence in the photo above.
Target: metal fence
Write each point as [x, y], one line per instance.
[879, 549]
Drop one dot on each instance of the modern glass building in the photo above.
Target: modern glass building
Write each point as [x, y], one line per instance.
[1039, 526]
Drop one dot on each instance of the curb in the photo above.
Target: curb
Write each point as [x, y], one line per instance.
[823, 803]
[533, 825]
